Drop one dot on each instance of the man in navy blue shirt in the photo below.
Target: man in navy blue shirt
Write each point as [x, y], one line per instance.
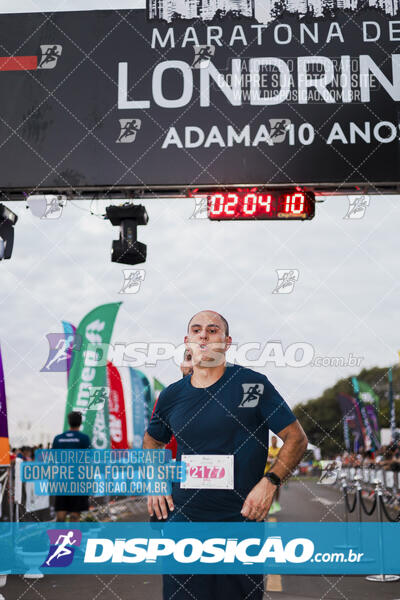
[71, 439]
[220, 416]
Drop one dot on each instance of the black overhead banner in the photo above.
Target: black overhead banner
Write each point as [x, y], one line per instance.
[273, 93]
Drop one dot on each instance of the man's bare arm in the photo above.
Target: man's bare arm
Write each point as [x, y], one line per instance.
[259, 500]
[294, 445]
[157, 504]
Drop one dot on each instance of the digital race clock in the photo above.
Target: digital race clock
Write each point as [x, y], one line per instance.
[246, 204]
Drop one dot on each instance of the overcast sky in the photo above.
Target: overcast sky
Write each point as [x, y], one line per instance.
[344, 302]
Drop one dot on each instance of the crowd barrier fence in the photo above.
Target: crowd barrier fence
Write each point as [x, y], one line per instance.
[384, 491]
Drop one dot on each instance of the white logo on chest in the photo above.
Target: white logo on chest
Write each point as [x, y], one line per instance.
[251, 394]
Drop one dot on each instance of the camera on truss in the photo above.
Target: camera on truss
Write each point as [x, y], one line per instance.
[127, 249]
[7, 222]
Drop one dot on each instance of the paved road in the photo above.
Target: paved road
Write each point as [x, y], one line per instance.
[306, 501]
[301, 501]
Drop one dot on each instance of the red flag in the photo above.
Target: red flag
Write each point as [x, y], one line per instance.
[116, 405]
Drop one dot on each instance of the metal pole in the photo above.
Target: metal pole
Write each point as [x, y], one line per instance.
[344, 490]
[357, 480]
[343, 484]
[10, 495]
[8, 482]
[381, 578]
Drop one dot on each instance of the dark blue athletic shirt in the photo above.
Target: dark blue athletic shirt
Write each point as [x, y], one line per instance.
[71, 439]
[232, 416]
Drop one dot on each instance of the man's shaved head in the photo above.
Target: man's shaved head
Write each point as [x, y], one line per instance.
[224, 321]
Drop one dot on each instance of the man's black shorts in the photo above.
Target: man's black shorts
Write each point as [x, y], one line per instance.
[71, 503]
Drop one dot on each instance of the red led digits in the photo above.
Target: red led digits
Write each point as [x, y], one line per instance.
[250, 204]
[230, 204]
[254, 204]
[265, 201]
[216, 204]
[223, 204]
[294, 203]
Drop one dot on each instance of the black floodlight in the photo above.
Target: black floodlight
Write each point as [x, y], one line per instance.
[7, 221]
[127, 249]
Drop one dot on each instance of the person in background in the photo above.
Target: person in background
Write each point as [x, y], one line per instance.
[20, 452]
[71, 439]
[187, 365]
[28, 453]
[395, 465]
[368, 458]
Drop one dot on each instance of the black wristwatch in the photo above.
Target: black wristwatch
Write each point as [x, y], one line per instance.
[273, 478]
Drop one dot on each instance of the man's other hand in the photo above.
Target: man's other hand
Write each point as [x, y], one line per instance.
[259, 500]
[158, 505]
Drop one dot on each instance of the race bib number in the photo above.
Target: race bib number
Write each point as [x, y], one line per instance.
[208, 471]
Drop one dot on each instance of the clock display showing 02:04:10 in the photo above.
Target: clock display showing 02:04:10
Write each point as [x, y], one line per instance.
[240, 205]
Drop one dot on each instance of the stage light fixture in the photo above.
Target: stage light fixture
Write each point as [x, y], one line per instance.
[127, 249]
[7, 221]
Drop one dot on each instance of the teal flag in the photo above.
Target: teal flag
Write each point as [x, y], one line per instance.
[371, 403]
[158, 387]
[370, 438]
[69, 331]
[142, 404]
[87, 383]
[367, 394]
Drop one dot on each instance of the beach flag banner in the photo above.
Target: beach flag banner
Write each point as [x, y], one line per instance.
[87, 384]
[70, 331]
[4, 441]
[142, 403]
[116, 408]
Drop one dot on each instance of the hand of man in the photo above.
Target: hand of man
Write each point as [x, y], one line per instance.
[259, 500]
[159, 505]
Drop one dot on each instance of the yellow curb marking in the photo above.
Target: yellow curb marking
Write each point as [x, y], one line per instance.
[273, 582]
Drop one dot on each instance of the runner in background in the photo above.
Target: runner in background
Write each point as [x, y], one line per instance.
[273, 452]
[187, 365]
[71, 439]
